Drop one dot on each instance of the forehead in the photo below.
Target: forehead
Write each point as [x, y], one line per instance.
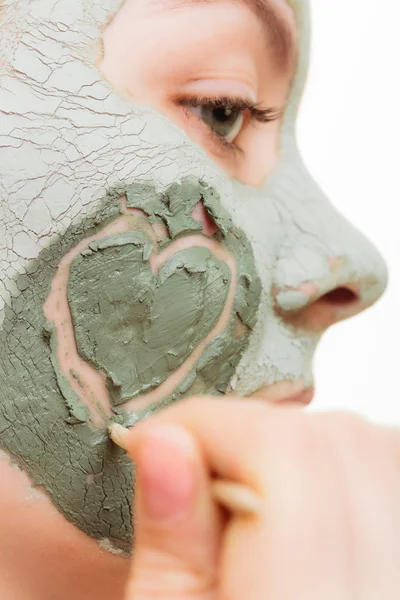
[276, 17]
[285, 20]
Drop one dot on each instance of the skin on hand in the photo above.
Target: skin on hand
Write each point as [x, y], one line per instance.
[330, 525]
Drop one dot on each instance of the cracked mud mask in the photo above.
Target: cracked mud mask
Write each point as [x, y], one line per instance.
[142, 258]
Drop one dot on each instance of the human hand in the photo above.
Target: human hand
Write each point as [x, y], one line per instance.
[330, 488]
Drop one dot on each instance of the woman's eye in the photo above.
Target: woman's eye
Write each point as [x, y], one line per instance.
[225, 121]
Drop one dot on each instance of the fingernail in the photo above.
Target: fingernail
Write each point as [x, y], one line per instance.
[119, 435]
[166, 474]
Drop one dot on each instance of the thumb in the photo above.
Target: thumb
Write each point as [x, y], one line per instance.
[177, 524]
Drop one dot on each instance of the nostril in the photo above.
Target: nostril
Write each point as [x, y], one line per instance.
[310, 309]
[340, 296]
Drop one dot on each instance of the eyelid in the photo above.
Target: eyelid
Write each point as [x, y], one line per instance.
[220, 87]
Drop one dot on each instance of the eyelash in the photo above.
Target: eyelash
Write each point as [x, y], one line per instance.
[260, 115]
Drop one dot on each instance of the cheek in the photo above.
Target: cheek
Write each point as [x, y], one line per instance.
[147, 300]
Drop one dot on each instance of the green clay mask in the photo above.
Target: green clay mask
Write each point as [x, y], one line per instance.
[137, 308]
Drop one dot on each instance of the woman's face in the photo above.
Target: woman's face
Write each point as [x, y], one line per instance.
[146, 257]
[220, 70]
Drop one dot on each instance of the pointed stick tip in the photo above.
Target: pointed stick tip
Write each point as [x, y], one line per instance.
[118, 434]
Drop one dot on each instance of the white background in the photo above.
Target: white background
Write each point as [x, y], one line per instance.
[349, 133]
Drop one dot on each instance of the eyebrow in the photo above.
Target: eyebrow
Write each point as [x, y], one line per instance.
[279, 31]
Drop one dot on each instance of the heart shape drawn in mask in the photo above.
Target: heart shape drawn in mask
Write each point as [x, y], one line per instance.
[150, 308]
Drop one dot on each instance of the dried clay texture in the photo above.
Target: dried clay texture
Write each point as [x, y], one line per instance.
[145, 291]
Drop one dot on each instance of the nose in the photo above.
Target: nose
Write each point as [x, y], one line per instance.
[326, 270]
[316, 304]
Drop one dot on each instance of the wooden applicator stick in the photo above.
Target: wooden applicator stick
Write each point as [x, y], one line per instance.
[238, 499]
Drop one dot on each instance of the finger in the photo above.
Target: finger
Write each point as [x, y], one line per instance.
[275, 451]
[177, 524]
[232, 451]
[236, 498]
